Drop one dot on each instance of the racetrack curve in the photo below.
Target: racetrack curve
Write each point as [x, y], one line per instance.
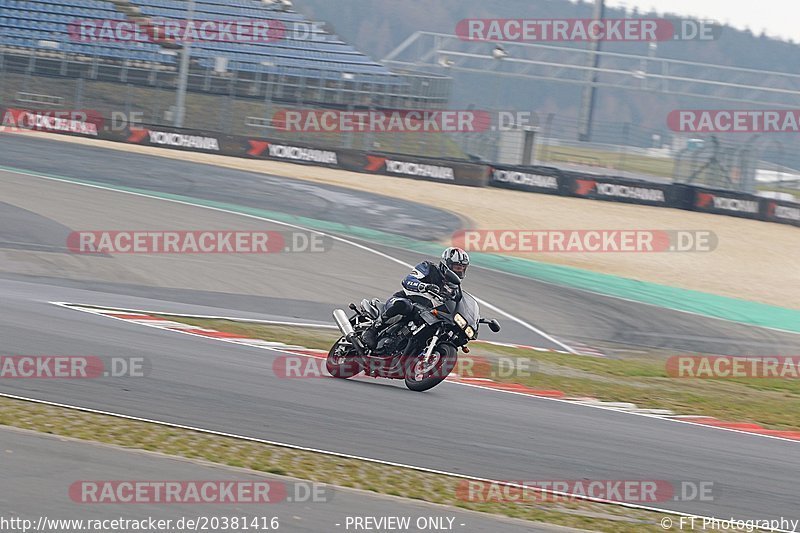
[233, 389]
[568, 314]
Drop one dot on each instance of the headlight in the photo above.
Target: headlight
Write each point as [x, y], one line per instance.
[470, 332]
[460, 320]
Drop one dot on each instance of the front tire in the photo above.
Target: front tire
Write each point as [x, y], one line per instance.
[420, 379]
[343, 361]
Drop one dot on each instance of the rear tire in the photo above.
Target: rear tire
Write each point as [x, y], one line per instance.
[420, 379]
[342, 365]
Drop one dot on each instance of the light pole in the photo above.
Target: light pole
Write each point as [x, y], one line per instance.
[589, 96]
[186, 52]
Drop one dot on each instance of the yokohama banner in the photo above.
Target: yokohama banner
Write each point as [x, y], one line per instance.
[620, 189]
[443, 170]
[176, 139]
[727, 203]
[547, 180]
[780, 211]
[292, 153]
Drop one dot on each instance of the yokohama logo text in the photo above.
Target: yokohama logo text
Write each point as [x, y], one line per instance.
[186, 141]
[415, 169]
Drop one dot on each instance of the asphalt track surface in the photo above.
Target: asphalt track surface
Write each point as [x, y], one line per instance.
[568, 314]
[204, 383]
[297, 197]
[42, 468]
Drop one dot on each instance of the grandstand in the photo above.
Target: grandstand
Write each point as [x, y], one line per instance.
[37, 42]
[45, 24]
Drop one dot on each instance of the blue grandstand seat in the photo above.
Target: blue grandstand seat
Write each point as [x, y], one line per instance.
[25, 23]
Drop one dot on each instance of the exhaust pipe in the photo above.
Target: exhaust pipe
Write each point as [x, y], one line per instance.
[343, 323]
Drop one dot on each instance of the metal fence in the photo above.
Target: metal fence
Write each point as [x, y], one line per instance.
[246, 104]
[768, 162]
[229, 102]
[734, 161]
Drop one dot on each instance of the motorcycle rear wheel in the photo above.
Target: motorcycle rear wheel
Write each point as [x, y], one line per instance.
[342, 365]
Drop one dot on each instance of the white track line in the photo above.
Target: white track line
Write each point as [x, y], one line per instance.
[209, 317]
[153, 324]
[91, 307]
[362, 458]
[373, 251]
[362, 247]
[98, 312]
[590, 291]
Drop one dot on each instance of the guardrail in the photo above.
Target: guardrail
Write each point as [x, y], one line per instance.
[535, 179]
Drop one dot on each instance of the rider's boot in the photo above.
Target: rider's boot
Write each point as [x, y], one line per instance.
[370, 335]
[394, 307]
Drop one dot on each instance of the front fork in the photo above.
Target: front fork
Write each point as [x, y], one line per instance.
[429, 350]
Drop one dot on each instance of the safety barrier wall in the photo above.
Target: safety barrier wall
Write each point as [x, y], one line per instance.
[551, 180]
[536, 179]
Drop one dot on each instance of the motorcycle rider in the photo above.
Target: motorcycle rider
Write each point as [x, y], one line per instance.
[427, 277]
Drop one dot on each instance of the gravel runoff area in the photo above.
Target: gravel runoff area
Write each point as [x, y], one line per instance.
[754, 260]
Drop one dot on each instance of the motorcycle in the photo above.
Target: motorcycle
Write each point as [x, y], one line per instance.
[420, 347]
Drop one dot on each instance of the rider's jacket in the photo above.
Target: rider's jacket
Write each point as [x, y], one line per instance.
[425, 272]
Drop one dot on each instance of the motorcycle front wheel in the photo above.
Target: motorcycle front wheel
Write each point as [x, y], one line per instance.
[421, 376]
[343, 361]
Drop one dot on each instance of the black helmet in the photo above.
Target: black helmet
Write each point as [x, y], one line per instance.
[456, 260]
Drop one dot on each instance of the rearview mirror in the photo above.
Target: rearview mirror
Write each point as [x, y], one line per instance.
[494, 325]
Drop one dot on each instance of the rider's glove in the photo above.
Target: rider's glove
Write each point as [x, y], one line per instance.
[432, 288]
